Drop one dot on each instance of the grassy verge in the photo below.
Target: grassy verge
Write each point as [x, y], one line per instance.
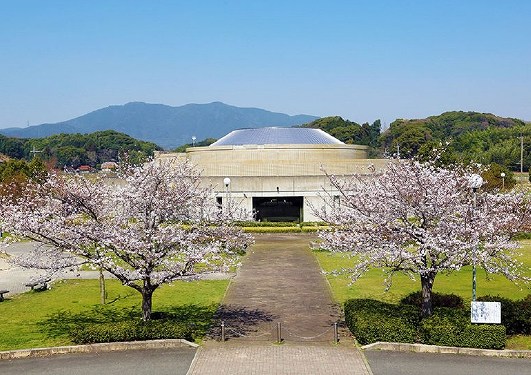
[371, 285]
[41, 319]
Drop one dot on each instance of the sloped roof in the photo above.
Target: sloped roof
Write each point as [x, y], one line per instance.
[276, 136]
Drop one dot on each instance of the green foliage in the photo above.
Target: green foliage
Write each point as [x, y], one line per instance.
[494, 180]
[437, 300]
[472, 137]
[272, 229]
[130, 331]
[515, 315]
[205, 142]
[348, 131]
[452, 327]
[12, 169]
[73, 150]
[248, 224]
[371, 321]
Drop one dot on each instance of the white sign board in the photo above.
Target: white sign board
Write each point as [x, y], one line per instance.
[485, 312]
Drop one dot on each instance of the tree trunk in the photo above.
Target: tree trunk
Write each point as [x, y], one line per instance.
[147, 296]
[427, 284]
[103, 292]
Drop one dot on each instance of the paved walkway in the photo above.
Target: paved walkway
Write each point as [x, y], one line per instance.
[279, 282]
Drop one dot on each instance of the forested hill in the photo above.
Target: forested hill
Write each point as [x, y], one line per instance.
[480, 137]
[79, 149]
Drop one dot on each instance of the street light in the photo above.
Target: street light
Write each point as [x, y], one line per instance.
[226, 182]
[193, 140]
[475, 182]
[503, 180]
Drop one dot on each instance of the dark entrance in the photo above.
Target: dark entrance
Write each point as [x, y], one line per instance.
[278, 208]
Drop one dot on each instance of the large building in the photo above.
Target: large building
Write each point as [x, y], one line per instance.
[278, 173]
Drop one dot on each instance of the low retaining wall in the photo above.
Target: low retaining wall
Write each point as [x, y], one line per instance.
[94, 348]
[422, 348]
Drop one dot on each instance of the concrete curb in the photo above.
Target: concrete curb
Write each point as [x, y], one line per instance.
[422, 348]
[96, 348]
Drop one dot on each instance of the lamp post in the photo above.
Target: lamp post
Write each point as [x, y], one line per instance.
[502, 175]
[193, 140]
[475, 182]
[226, 182]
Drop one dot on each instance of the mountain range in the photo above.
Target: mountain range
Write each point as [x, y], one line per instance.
[165, 125]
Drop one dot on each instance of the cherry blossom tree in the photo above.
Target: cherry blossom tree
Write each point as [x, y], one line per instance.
[154, 225]
[418, 219]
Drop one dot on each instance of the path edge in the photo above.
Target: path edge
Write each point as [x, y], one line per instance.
[423, 348]
[96, 348]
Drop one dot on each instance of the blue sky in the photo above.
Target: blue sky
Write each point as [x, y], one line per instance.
[362, 60]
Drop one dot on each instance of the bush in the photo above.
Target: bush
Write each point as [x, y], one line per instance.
[515, 315]
[484, 336]
[452, 327]
[437, 300]
[272, 229]
[130, 331]
[371, 321]
[247, 224]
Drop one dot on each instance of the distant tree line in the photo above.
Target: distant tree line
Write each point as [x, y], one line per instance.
[350, 132]
[466, 136]
[73, 150]
[205, 142]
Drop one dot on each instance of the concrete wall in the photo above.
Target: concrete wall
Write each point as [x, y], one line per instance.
[277, 170]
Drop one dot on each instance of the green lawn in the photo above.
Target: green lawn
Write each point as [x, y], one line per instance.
[38, 319]
[371, 285]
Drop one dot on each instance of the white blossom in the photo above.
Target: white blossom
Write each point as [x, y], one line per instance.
[418, 219]
[154, 225]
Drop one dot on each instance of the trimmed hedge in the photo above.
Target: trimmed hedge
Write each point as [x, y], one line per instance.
[130, 331]
[515, 315]
[371, 321]
[452, 327]
[437, 300]
[272, 229]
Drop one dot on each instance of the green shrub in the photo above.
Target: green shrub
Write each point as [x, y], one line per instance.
[272, 229]
[484, 336]
[130, 331]
[437, 300]
[452, 327]
[515, 315]
[371, 321]
[266, 224]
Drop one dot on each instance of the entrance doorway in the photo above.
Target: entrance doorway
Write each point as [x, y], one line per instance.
[278, 208]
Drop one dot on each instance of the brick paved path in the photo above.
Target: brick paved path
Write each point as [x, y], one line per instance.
[279, 281]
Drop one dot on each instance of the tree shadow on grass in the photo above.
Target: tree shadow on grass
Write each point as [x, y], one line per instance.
[63, 322]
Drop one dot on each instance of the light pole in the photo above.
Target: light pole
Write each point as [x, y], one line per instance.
[475, 182]
[226, 182]
[503, 180]
[193, 140]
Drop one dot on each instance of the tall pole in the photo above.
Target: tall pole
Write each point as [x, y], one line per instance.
[475, 183]
[474, 252]
[521, 153]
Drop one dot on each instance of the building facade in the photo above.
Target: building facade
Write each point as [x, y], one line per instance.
[278, 173]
